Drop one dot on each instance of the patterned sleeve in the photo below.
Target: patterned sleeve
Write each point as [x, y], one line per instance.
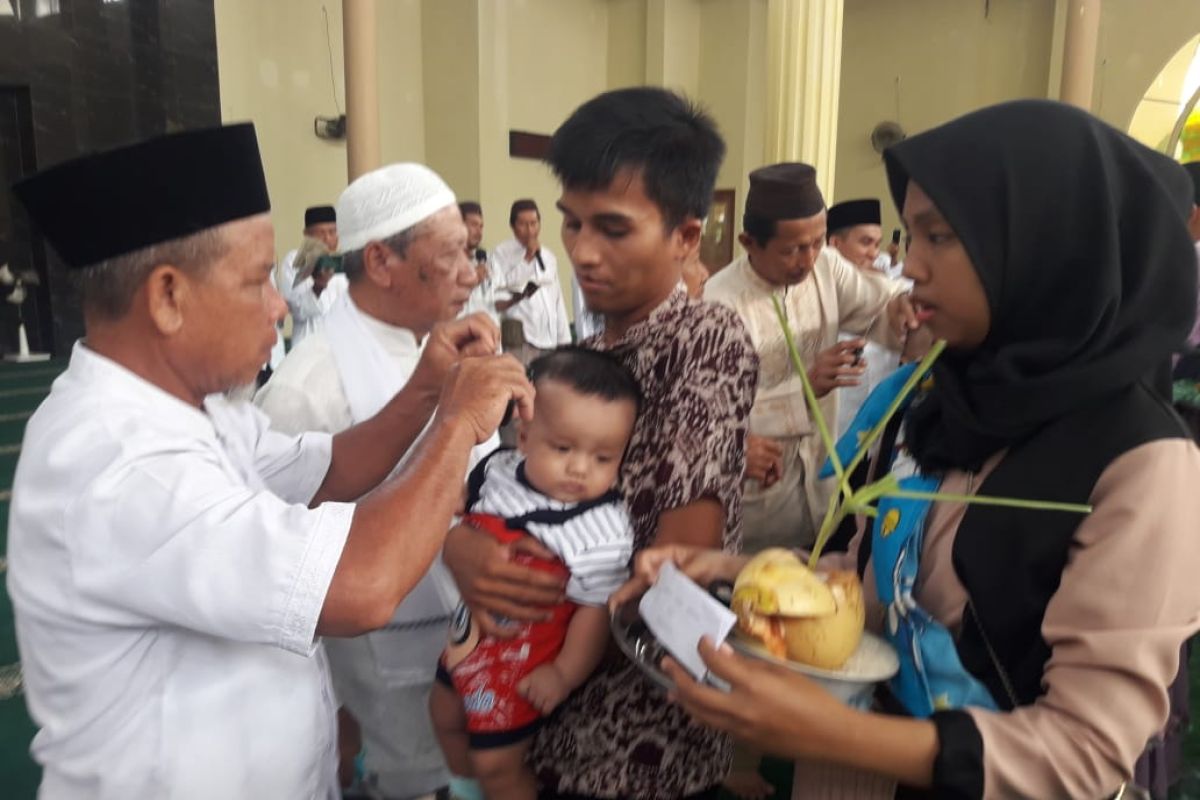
[711, 403]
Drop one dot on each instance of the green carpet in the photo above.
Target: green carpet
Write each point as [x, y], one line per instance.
[22, 388]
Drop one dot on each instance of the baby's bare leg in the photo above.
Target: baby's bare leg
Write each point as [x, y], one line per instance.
[450, 727]
[502, 773]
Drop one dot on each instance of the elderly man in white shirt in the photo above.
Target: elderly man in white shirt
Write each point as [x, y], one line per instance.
[173, 561]
[405, 255]
[526, 279]
[311, 299]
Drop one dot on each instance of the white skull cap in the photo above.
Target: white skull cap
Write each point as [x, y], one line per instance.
[388, 200]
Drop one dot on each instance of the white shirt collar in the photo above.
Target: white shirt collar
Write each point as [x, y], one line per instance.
[95, 370]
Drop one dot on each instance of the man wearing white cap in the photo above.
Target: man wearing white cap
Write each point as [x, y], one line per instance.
[404, 245]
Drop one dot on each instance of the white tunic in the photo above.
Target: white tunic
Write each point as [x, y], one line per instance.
[544, 315]
[167, 578]
[308, 309]
[835, 296]
[339, 376]
[587, 323]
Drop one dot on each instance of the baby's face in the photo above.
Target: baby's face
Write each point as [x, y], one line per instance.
[573, 445]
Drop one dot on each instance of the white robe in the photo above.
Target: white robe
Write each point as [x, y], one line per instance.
[167, 578]
[836, 296]
[338, 377]
[308, 309]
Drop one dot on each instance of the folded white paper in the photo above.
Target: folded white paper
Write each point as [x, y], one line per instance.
[678, 613]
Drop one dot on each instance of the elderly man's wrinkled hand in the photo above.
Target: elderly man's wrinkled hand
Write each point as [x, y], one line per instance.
[478, 391]
[449, 343]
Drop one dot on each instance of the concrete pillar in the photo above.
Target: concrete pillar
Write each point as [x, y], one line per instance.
[1079, 52]
[359, 26]
[804, 62]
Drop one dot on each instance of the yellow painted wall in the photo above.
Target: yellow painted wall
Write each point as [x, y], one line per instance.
[401, 86]
[274, 69]
[732, 86]
[544, 58]
[626, 43]
[673, 44]
[949, 59]
[450, 36]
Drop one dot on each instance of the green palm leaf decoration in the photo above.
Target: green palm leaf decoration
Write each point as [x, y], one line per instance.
[846, 500]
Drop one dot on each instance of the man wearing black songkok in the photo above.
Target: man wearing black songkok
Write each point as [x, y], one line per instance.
[309, 299]
[855, 231]
[173, 561]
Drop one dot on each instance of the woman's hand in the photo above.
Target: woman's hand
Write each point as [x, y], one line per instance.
[702, 565]
[784, 713]
[770, 707]
[493, 586]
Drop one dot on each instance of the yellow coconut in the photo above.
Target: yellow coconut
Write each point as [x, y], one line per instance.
[810, 617]
[827, 641]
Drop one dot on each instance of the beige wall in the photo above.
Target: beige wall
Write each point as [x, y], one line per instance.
[450, 34]
[673, 44]
[733, 85]
[1155, 116]
[274, 70]
[948, 58]
[544, 59]
[626, 43]
[1134, 45]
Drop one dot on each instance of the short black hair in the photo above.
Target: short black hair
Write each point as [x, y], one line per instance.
[524, 204]
[672, 144]
[758, 228]
[589, 372]
[470, 207]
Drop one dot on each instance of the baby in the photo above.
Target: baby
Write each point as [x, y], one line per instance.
[558, 487]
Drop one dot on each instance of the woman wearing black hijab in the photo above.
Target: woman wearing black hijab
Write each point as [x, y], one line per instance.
[1051, 252]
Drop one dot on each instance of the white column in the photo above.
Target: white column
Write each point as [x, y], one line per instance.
[359, 26]
[1079, 52]
[804, 64]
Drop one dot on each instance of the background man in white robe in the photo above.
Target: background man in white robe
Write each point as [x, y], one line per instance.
[856, 233]
[784, 230]
[483, 296]
[173, 560]
[527, 287]
[406, 257]
[312, 298]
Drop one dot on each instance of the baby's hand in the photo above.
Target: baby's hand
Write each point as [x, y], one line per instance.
[544, 688]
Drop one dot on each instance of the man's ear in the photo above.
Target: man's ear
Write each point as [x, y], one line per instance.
[746, 240]
[688, 235]
[167, 293]
[375, 264]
